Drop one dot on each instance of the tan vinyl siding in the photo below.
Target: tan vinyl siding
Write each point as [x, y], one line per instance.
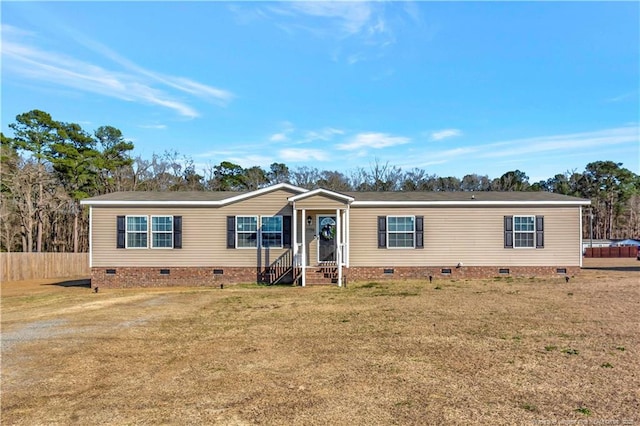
[320, 202]
[473, 236]
[204, 229]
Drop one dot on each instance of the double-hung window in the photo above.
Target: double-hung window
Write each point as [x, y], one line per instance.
[137, 227]
[162, 231]
[524, 231]
[247, 231]
[401, 231]
[267, 231]
[271, 231]
[134, 232]
[258, 231]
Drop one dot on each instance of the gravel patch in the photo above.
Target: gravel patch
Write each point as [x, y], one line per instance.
[38, 330]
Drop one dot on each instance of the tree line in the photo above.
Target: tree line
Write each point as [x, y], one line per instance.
[48, 166]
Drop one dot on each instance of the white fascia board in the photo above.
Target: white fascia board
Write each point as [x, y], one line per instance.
[149, 203]
[323, 192]
[466, 203]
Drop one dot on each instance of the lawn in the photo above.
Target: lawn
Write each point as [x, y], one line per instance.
[496, 351]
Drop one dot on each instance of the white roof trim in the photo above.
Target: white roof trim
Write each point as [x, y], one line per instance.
[322, 191]
[466, 203]
[151, 203]
[193, 202]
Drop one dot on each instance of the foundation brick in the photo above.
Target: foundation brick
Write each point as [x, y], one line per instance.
[355, 274]
[126, 277]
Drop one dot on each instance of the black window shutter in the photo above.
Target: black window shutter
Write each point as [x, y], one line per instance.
[177, 232]
[508, 232]
[419, 232]
[539, 231]
[121, 234]
[382, 232]
[286, 231]
[231, 232]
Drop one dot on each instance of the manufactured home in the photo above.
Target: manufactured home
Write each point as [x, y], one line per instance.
[287, 234]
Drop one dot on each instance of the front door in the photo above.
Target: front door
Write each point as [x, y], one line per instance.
[326, 238]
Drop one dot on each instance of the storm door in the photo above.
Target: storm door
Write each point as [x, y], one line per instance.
[326, 238]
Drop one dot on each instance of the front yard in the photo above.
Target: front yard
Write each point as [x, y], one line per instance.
[500, 351]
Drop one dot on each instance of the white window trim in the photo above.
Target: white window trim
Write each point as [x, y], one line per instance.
[260, 232]
[127, 232]
[246, 232]
[413, 246]
[151, 232]
[524, 232]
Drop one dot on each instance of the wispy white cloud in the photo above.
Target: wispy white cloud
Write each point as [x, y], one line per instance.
[623, 97]
[250, 160]
[445, 134]
[279, 137]
[361, 29]
[568, 142]
[292, 136]
[373, 140]
[23, 58]
[326, 134]
[283, 135]
[347, 17]
[301, 154]
[514, 150]
[153, 126]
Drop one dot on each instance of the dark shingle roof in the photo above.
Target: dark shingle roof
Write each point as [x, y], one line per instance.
[459, 196]
[166, 196]
[360, 197]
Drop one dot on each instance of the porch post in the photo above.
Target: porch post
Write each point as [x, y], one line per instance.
[294, 237]
[304, 248]
[339, 247]
[346, 236]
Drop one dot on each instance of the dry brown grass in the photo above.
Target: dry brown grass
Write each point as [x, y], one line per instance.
[503, 351]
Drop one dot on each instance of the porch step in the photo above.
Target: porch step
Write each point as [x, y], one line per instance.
[322, 275]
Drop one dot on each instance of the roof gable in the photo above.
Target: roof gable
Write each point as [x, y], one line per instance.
[321, 192]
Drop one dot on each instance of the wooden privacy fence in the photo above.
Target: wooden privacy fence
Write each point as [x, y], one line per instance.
[31, 266]
[622, 251]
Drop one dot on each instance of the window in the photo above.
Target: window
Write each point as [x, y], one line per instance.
[524, 231]
[137, 227]
[254, 231]
[162, 231]
[247, 231]
[133, 232]
[271, 231]
[400, 231]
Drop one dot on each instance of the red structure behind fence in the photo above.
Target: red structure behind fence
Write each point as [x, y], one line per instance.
[623, 251]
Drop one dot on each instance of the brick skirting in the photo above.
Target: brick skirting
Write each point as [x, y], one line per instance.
[122, 277]
[366, 273]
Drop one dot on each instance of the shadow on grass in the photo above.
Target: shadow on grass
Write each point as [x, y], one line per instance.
[614, 268]
[84, 282]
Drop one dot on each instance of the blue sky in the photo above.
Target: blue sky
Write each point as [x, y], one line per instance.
[452, 88]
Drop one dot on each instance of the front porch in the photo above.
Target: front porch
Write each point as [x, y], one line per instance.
[320, 235]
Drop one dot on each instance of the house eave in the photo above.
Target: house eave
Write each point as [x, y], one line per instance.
[466, 203]
[151, 203]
